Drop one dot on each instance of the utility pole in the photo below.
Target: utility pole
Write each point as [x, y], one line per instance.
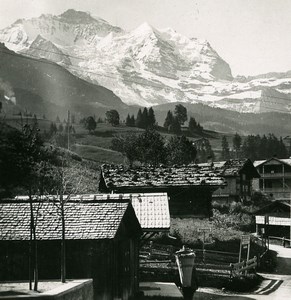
[68, 126]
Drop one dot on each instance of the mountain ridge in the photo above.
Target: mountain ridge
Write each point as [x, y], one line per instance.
[149, 66]
[44, 87]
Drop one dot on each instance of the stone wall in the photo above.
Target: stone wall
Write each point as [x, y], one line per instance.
[72, 290]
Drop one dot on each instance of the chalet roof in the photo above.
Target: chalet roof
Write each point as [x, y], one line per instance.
[286, 161]
[271, 207]
[233, 167]
[121, 177]
[90, 220]
[151, 209]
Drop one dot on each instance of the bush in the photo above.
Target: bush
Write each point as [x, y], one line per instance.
[245, 283]
[268, 262]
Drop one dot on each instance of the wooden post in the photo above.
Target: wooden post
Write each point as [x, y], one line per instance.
[239, 258]
[248, 255]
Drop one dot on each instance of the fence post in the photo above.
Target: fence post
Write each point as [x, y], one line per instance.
[231, 270]
[244, 266]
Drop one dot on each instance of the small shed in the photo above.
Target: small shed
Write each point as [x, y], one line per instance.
[189, 187]
[274, 219]
[102, 242]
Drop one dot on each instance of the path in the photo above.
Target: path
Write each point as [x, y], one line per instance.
[276, 287]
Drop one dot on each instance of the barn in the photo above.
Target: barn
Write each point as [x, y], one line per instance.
[102, 242]
[189, 187]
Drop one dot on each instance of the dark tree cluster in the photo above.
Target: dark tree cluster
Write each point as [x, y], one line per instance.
[257, 147]
[204, 150]
[151, 148]
[174, 121]
[146, 118]
[89, 123]
[194, 127]
[254, 147]
[130, 121]
[112, 117]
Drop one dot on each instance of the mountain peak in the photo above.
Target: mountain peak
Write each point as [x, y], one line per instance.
[144, 28]
[75, 16]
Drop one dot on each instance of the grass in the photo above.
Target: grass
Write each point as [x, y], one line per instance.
[103, 135]
[99, 155]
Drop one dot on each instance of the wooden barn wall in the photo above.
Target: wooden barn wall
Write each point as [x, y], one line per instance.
[113, 264]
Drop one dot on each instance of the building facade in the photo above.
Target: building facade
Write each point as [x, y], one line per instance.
[274, 220]
[189, 187]
[275, 180]
[239, 175]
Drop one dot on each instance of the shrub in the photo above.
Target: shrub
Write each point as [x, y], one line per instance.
[244, 283]
[268, 262]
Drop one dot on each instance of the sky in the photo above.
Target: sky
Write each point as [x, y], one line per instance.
[253, 36]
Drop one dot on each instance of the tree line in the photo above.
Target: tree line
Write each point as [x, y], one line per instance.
[254, 147]
[150, 147]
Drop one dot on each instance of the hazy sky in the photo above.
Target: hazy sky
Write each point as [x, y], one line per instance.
[253, 36]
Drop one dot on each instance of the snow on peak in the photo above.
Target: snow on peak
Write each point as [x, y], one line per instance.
[144, 29]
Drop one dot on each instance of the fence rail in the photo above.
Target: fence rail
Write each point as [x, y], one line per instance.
[279, 238]
[244, 266]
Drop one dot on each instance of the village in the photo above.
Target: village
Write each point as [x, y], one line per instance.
[125, 239]
[145, 150]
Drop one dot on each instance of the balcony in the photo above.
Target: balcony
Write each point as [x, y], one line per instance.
[273, 221]
[276, 175]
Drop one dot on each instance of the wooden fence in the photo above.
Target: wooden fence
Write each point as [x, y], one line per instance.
[282, 240]
[208, 262]
[242, 268]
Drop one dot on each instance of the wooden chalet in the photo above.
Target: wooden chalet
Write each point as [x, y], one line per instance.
[238, 174]
[102, 242]
[274, 219]
[275, 179]
[189, 187]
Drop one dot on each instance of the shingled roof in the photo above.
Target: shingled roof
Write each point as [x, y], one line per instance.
[151, 209]
[286, 161]
[121, 177]
[90, 220]
[233, 167]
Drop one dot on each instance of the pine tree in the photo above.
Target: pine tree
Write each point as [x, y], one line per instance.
[192, 126]
[237, 143]
[175, 126]
[138, 121]
[128, 121]
[181, 113]
[169, 120]
[145, 116]
[151, 118]
[225, 153]
[132, 121]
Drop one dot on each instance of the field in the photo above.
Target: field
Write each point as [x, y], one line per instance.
[97, 146]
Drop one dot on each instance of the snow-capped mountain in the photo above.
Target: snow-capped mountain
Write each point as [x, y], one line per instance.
[145, 66]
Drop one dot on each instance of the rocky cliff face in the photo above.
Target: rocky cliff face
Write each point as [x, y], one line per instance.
[146, 66]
